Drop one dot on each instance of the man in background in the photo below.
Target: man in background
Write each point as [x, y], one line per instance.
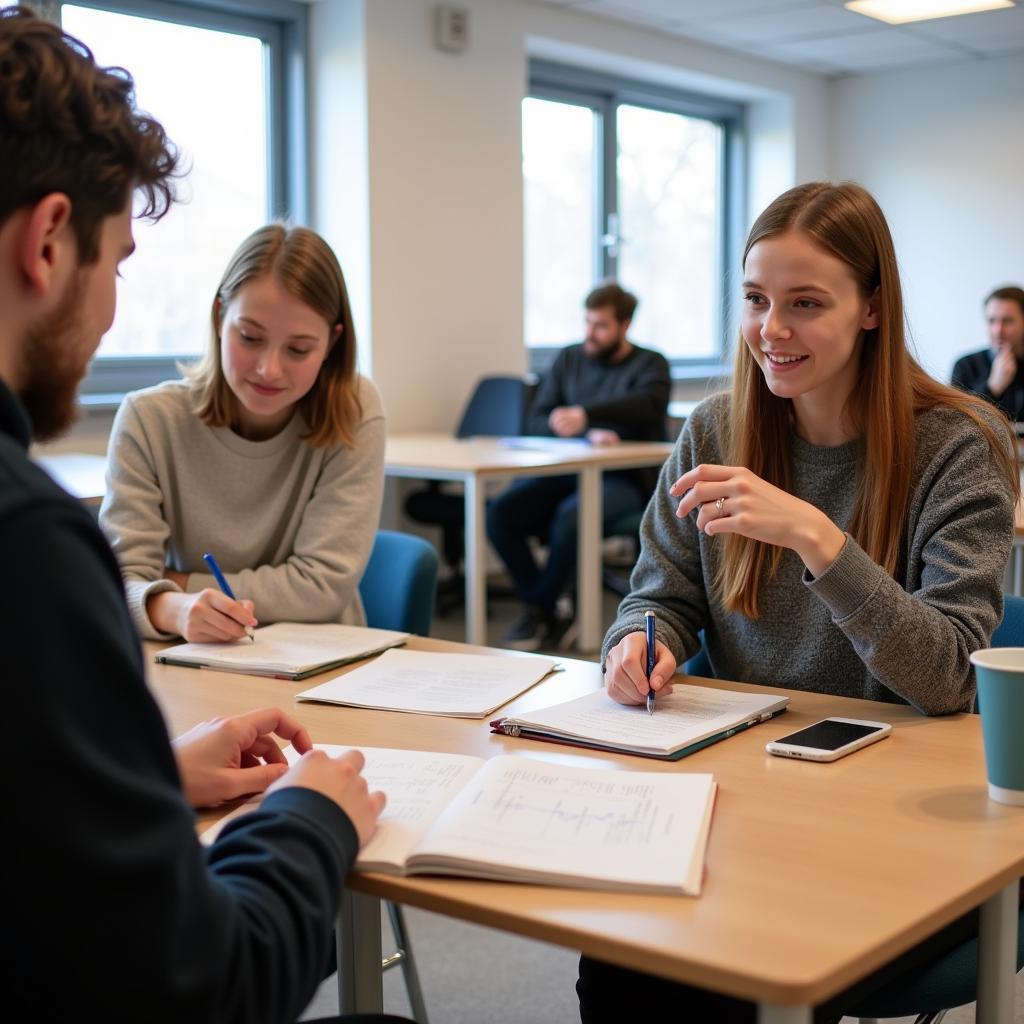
[997, 373]
[604, 390]
[117, 911]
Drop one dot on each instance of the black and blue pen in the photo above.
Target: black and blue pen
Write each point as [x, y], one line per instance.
[652, 657]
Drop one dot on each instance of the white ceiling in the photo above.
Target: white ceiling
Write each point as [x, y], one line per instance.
[820, 35]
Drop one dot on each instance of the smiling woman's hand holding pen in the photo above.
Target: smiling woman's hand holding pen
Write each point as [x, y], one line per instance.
[625, 672]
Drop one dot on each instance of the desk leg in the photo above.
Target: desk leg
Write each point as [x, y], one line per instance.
[475, 562]
[588, 560]
[357, 934]
[770, 1014]
[997, 957]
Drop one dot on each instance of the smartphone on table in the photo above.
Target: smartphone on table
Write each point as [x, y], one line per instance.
[829, 739]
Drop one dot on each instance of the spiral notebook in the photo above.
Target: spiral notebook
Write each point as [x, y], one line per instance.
[684, 721]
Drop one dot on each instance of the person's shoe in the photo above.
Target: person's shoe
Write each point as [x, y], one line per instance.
[527, 632]
[560, 634]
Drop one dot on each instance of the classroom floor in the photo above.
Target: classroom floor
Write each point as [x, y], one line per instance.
[535, 981]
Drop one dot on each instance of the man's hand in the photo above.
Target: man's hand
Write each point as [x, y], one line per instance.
[568, 421]
[601, 438]
[226, 758]
[1003, 372]
[338, 779]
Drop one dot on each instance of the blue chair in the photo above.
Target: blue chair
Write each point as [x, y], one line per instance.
[397, 590]
[700, 663]
[399, 583]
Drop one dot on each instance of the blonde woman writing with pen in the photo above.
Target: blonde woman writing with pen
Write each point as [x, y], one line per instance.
[270, 453]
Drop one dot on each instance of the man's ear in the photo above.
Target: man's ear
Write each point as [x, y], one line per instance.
[872, 316]
[47, 247]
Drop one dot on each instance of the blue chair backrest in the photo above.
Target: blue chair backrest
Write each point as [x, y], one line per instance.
[399, 584]
[495, 409]
[1010, 632]
[700, 663]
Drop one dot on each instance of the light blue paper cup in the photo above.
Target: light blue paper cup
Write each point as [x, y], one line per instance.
[1000, 673]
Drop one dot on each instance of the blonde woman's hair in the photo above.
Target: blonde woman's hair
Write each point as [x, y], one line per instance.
[891, 389]
[303, 263]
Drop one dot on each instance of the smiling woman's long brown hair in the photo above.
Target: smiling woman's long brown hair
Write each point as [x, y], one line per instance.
[845, 221]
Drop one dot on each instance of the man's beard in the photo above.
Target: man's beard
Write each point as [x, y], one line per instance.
[52, 368]
[608, 353]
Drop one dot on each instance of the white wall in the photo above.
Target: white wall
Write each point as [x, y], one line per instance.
[443, 185]
[942, 149]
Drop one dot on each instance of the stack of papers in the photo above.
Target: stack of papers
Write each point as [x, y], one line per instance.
[427, 683]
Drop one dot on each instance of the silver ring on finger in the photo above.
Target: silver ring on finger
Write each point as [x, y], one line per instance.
[719, 506]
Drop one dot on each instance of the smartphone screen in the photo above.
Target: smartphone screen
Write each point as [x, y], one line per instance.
[828, 735]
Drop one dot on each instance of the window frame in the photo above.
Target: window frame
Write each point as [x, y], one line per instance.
[282, 25]
[603, 93]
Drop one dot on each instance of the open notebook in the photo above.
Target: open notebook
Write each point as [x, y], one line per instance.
[684, 721]
[287, 650]
[434, 683]
[519, 819]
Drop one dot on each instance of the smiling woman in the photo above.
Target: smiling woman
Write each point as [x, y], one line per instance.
[270, 454]
[839, 523]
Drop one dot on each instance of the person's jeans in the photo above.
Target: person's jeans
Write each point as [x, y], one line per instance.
[547, 507]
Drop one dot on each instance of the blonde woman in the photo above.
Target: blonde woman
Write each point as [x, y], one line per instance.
[270, 454]
[839, 523]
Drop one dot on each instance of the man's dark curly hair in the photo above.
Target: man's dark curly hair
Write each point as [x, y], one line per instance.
[67, 125]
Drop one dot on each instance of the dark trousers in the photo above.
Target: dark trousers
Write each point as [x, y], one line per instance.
[548, 507]
[610, 994]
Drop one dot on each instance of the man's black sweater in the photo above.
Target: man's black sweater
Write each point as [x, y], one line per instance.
[106, 885]
[971, 373]
[629, 397]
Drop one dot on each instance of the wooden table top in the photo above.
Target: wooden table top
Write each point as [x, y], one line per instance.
[817, 874]
[413, 453]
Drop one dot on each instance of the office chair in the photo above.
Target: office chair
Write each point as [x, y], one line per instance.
[397, 591]
[496, 408]
[398, 584]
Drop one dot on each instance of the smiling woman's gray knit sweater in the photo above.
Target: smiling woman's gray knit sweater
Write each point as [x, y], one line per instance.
[854, 630]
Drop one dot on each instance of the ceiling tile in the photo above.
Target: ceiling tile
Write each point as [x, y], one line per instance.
[862, 51]
[681, 10]
[794, 23]
[818, 35]
[984, 27]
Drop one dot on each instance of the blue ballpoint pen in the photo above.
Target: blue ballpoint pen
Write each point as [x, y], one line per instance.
[225, 587]
[649, 623]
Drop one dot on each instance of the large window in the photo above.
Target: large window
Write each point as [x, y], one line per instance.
[217, 82]
[624, 182]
